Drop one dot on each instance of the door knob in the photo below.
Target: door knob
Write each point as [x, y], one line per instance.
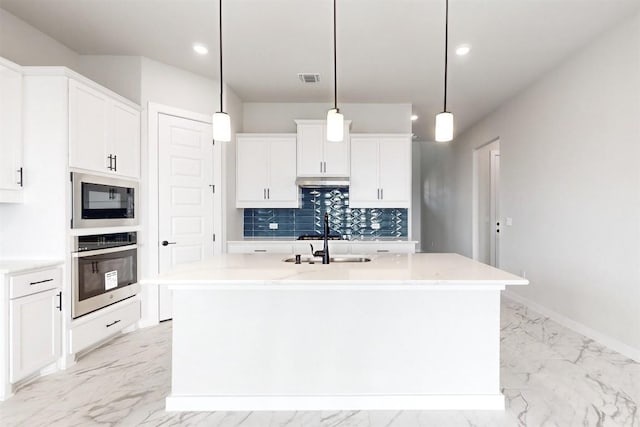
[165, 243]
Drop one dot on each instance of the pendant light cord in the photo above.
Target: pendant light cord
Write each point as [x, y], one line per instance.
[446, 51]
[335, 61]
[221, 80]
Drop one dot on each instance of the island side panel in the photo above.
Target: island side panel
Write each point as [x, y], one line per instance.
[300, 343]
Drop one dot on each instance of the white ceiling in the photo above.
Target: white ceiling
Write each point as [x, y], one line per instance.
[388, 50]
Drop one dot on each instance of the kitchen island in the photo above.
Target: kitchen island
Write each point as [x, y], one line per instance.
[409, 331]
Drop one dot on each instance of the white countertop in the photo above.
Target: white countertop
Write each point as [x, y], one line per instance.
[389, 270]
[23, 265]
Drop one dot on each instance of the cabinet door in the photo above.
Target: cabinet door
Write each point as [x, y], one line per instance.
[125, 139]
[395, 172]
[88, 124]
[282, 173]
[364, 189]
[10, 128]
[251, 171]
[310, 149]
[336, 155]
[34, 333]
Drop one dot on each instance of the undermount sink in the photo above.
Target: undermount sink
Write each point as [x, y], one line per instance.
[307, 259]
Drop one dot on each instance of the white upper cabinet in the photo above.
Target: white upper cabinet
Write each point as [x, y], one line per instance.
[266, 171]
[10, 132]
[380, 171]
[316, 155]
[125, 139]
[88, 122]
[104, 134]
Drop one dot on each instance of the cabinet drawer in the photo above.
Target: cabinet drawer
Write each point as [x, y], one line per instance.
[381, 248]
[269, 248]
[103, 325]
[37, 281]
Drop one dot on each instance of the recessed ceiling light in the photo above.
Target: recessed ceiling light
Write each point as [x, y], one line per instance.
[463, 49]
[414, 117]
[200, 49]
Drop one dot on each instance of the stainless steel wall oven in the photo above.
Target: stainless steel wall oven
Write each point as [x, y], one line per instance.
[104, 271]
[103, 201]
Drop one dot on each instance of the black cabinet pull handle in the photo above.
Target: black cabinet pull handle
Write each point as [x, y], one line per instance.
[115, 163]
[113, 323]
[259, 250]
[20, 181]
[59, 307]
[383, 250]
[110, 157]
[40, 281]
[165, 243]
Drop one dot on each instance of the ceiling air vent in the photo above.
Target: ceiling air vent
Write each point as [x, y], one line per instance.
[309, 77]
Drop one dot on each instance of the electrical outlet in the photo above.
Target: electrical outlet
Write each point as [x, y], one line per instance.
[273, 226]
[509, 221]
[375, 226]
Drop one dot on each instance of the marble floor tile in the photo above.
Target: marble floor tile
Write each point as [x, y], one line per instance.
[550, 376]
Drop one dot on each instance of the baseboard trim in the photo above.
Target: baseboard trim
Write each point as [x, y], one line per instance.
[147, 323]
[612, 343]
[494, 402]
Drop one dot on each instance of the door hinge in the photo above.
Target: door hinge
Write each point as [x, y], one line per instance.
[213, 188]
[214, 237]
[213, 142]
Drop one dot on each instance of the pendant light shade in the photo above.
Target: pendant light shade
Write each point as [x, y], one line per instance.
[335, 120]
[444, 127]
[444, 120]
[335, 125]
[221, 120]
[221, 126]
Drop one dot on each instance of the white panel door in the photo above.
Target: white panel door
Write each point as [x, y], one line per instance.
[395, 172]
[336, 155]
[88, 124]
[125, 139]
[185, 167]
[10, 128]
[282, 171]
[34, 333]
[310, 149]
[494, 240]
[252, 159]
[364, 188]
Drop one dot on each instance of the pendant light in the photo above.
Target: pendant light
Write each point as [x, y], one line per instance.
[221, 120]
[335, 120]
[444, 120]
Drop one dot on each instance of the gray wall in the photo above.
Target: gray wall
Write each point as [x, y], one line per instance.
[26, 45]
[570, 179]
[371, 118]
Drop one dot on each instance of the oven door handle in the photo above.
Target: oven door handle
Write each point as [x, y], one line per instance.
[103, 251]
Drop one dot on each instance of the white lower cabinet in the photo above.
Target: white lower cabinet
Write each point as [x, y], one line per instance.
[35, 333]
[95, 327]
[30, 322]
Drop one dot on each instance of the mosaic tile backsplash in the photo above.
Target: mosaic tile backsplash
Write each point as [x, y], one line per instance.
[352, 224]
